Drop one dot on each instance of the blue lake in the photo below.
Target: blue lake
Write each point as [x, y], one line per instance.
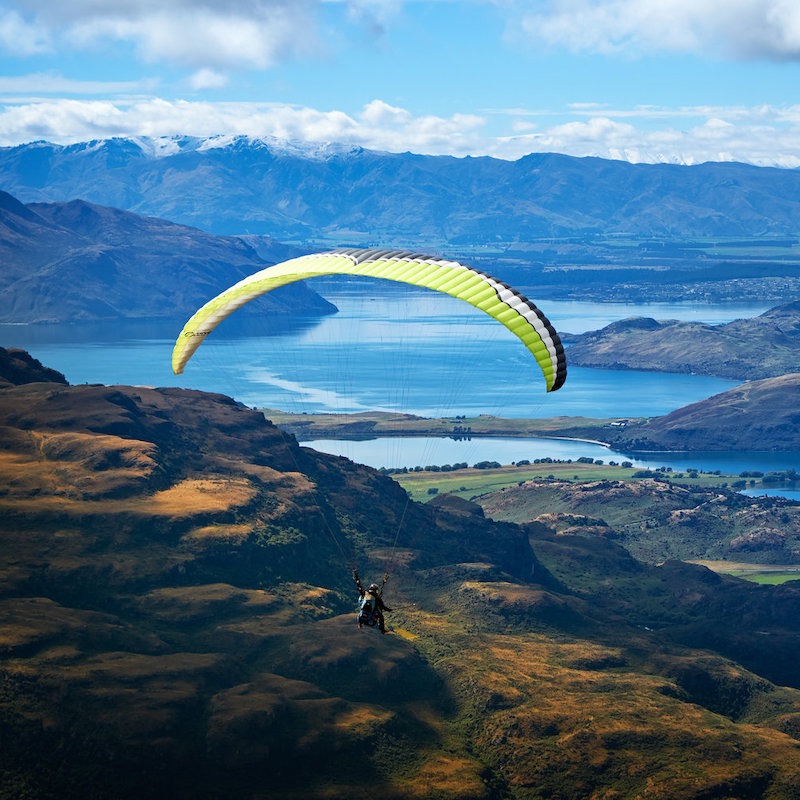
[400, 350]
[392, 348]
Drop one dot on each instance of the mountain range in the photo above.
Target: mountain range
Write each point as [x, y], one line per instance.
[77, 261]
[238, 185]
[176, 620]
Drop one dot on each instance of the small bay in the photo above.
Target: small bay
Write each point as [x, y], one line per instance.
[410, 451]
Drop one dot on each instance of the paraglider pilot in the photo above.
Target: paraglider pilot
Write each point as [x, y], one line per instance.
[371, 605]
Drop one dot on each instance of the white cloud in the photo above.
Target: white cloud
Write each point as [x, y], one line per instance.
[739, 28]
[21, 37]
[382, 114]
[42, 83]
[378, 126]
[256, 34]
[763, 135]
[750, 140]
[198, 34]
[207, 79]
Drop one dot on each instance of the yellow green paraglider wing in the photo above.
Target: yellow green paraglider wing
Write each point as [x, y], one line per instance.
[498, 300]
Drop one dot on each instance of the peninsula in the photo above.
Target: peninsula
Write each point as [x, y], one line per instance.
[758, 415]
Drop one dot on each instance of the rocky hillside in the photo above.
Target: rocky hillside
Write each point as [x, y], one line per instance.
[18, 367]
[75, 261]
[758, 415]
[176, 619]
[656, 520]
[747, 349]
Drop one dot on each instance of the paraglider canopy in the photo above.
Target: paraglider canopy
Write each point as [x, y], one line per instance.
[500, 301]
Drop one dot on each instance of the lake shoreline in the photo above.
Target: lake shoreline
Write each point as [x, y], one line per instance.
[364, 426]
[403, 442]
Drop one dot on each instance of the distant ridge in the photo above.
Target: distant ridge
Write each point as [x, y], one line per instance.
[341, 194]
[77, 261]
[758, 415]
[761, 347]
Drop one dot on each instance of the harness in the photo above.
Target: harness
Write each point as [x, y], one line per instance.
[370, 604]
[368, 611]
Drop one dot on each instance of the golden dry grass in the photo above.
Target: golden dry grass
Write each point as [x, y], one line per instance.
[445, 775]
[133, 667]
[541, 714]
[549, 711]
[75, 464]
[195, 496]
[220, 534]
[189, 498]
[464, 701]
[212, 601]
[26, 621]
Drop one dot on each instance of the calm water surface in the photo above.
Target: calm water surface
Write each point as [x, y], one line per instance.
[398, 349]
[420, 451]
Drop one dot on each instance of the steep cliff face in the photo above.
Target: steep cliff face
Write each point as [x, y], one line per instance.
[18, 367]
[176, 618]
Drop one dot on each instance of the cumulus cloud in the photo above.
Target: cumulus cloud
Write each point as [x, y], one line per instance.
[198, 34]
[763, 135]
[768, 29]
[256, 34]
[378, 126]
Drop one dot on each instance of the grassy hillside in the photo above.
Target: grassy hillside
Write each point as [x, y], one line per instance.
[765, 346]
[474, 482]
[758, 415]
[656, 520]
[656, 515]
[176, 619]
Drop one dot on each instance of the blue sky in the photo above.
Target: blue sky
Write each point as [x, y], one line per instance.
[680, 81]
